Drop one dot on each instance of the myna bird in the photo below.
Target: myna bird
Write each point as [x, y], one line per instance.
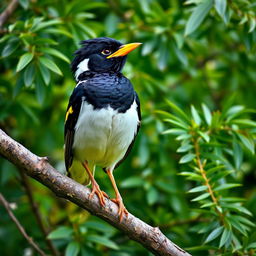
[103, 115]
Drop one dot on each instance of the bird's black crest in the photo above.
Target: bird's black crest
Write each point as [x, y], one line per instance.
[91, 46]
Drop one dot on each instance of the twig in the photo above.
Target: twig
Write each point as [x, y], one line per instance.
[36, 212]
[206, 181]
[8, 11]
[19, 226]
[39, 168]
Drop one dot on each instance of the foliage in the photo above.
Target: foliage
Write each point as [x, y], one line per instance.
[198, 53]
[212, 145]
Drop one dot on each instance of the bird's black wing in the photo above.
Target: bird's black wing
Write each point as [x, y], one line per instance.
[138, 128]
[72, 114]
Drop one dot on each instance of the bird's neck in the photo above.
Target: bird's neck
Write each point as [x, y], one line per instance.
[89, 74]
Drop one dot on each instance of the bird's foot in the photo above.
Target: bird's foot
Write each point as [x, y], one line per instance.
[121, 208]
[101, 194]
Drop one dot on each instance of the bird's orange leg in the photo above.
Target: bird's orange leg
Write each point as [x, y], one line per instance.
[118, 200]
[95, 186]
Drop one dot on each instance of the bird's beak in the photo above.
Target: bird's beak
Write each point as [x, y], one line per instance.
[124, 50]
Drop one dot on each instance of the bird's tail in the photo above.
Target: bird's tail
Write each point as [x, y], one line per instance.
[78, 173]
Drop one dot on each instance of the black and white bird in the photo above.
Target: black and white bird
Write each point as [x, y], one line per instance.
[103, 115]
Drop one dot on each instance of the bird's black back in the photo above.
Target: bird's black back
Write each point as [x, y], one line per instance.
[101, 90]
[108, 89]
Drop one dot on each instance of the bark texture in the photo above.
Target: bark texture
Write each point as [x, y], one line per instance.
[40, 169]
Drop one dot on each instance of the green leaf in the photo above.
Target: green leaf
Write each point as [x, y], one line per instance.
[195, 115]
[102, 240]
[227, 186]
[177, 123]
[40, 90]
[9, 49]
[207, 114]
[222, 174]
[220, 6]
[248, 143]
[29, 75]
[242, 209]
[204, 135]
[44, 24]
[45, 74]
[214, 234]
[237, 207]
[234, 111]
[187, 158]
[201, 197]
[55, 53]
[181, 56]
[174, 131]
[24, 61]
[192, 176]
[197, 189]
[72, 249]
[252, 24]
[207, 205]
[244, 220]
[215, 169]
[24, 4]
[238, 154]
[184, 148]
[237, 225]
[178, 110]
[100, 226]
[198, 16]
[251, 246]
[226, 237]
[60, 233]
[152, 196]
[132, 182]
[245, 122]
[50, 65]
[184, 136]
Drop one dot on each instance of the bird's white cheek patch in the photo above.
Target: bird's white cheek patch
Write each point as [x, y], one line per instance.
[82, 67]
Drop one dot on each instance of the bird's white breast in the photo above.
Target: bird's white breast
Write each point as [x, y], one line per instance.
[103, 136]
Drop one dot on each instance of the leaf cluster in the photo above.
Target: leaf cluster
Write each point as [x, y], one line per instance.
[212, 144]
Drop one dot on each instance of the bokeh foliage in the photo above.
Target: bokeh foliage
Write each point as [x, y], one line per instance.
[200, 56]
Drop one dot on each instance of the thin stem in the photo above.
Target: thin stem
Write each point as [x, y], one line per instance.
[206, 180]
[19, 226]
[36, 212]
[8, 12]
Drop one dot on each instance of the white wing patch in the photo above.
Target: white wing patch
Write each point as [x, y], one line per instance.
[82, 67]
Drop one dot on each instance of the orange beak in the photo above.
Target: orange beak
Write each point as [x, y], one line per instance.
[124, 50]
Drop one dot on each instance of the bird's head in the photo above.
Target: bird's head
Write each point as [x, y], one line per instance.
[101, 54]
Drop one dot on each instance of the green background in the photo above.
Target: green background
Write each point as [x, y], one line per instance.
[193, 52]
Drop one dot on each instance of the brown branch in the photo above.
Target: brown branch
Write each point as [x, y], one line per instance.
[19, 226]
[39, 168]
[36, 212]
[8, 12]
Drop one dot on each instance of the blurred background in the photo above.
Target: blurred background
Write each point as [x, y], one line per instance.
[193, 52]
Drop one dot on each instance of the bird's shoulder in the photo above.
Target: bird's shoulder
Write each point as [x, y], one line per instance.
[106, 89]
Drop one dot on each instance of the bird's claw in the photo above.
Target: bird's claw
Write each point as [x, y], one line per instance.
[101, 194]
[121, 208]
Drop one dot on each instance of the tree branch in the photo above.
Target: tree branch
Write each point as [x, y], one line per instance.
[19, 226]
[8, 11]
[39, 168]
[35, 210]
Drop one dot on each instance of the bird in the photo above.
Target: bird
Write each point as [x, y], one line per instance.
[103, 116]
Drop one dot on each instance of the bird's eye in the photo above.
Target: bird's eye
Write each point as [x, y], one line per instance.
[106, 52]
